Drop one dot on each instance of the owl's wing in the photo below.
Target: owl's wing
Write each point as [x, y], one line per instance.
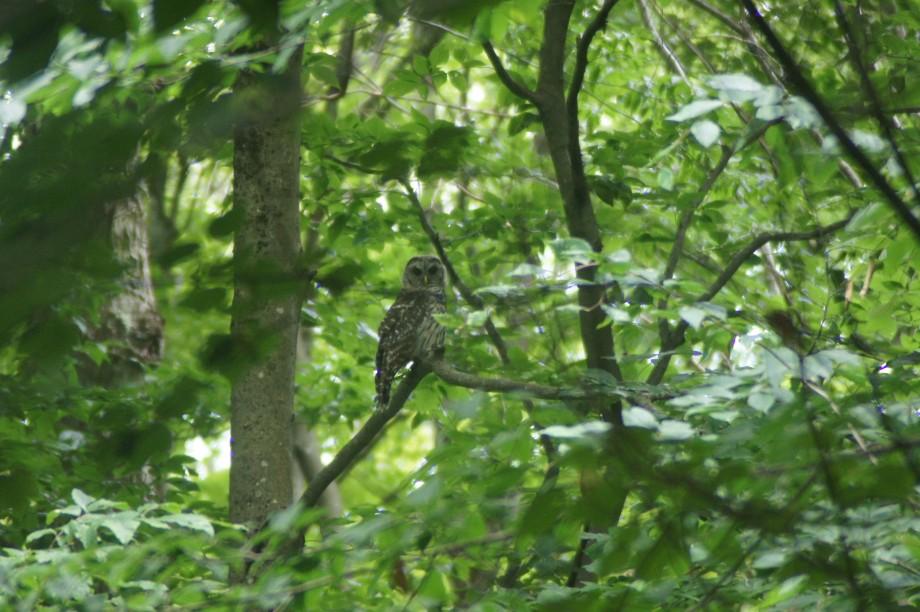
[396, 343]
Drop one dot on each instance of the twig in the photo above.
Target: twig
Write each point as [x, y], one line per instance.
[685, 219]
[876, 450]
[737, 260]
[474, 300]
[734, 27]
[513, 86]
[727, 575]
[581, 58]
[808, 92]
[884, 122]
[741, 256]
[832, 486]
[661, 44]
[684, 224]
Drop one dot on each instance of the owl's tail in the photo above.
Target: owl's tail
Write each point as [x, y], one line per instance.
[383, 384]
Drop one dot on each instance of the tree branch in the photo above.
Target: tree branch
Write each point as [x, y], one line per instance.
[449, 374]
[344, 65]
[565, 152]
[581, 59]
[361, 440]
[374, 425]
[660, 43]
[705, 188]
[684, 224]
[737, 260]
[715, 12]
[474, 300]
[741, 256]
[875, 104]
[518, 89]
[424, 39]
[809, 93]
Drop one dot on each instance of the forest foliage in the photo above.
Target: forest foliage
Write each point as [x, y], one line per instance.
[682, 359]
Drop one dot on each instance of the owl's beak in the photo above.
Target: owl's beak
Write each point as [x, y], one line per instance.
[425, 278]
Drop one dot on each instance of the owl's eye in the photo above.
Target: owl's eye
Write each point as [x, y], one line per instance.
[434, 270]
[416, 271]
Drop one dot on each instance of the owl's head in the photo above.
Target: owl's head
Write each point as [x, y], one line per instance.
[424, 272]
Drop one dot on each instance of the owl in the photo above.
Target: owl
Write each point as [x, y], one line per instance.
[409, 330]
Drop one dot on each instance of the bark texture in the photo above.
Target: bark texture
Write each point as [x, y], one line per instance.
[131, 317]
[267, 295]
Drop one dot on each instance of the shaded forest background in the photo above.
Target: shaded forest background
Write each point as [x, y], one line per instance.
[682, 358]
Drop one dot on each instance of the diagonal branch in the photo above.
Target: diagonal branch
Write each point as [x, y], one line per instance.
[374, 425]
[705, 188]
[875, 103]
[518, 89]
[362, 439]
[474, 300]
[581, 58]
[661, 44]
[737, 260]
[760, 240]
[809, 93]
[726, 19]
[683, 225]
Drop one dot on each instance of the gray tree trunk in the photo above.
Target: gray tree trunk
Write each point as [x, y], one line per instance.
[131, 317]
[267, 294]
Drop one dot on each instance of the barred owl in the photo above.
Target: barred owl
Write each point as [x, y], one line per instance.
[409, 330]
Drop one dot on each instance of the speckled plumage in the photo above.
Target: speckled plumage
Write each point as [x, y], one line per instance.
[409, 330]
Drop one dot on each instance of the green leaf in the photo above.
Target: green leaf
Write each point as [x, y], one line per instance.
[444, 149]
[477, 318]
[736, 87]
[195, 522]
[693, 315]
[617, 315]
[38, 535]
[521, 121]
[635, 416]
[761, 401]
[440, 54]
[572, 248]
[869, 217]
[666, 179]
[675, 430]
[543, 513]
[770, 559]
[80, 498]
[123, 525]
[588, 429]
[420, 65]
[695, 109]
[609, 189]
[706, 132]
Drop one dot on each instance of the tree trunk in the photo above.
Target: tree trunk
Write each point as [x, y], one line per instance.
[267, 296]
[130, 318]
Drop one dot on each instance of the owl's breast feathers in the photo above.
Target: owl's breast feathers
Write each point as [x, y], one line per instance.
[408, 331]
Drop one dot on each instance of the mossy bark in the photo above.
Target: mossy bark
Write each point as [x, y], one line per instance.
[267, 292]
